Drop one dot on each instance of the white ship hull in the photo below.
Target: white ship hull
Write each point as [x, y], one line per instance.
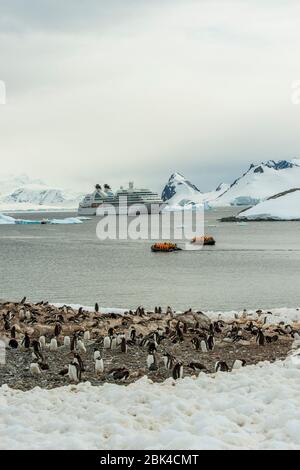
[133, 210]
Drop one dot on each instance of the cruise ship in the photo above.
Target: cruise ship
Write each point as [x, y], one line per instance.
[130, 201]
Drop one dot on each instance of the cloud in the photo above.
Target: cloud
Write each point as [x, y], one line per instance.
[112, 91]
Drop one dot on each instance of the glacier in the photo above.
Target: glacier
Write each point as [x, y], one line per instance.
[283, 206]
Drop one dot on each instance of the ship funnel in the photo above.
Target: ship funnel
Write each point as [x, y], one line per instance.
[98, 187]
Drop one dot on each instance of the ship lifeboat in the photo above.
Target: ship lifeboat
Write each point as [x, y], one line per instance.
[206, 240]
[164, 247]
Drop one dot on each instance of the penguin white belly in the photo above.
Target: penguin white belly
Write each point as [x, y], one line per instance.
[237, 364]
[106, 342]
[42, 341]
[150, 360]
[113, 343]
[203, 346]
[99, 366]
[81, 347]
[73, 373]
[34, 369]
[53, 345]
[86, 336]
[67, 341]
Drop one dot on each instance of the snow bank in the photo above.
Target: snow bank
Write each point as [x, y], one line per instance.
[284, 207]
[273, 315]
[256, 407]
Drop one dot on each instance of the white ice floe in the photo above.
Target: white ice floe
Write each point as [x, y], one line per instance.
[6, 220]
[255, 407]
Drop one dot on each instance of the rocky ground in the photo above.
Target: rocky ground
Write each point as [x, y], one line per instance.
[40, 320]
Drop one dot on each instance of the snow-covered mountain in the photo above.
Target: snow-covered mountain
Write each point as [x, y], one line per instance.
[180, 192]
[23, 193]
[262, 181]
[283, 206]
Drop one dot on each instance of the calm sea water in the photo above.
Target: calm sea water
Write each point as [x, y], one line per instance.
[252, 266]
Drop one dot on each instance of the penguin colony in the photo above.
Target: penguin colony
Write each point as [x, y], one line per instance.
[50, 346]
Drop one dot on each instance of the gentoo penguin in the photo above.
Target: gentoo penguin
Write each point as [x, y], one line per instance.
[73, 343]
[106, 342]
[57, 329]
[37, 353]
[133, 334]
[42, 341]
[74, 372]
[238, 363]
[221, 366]
[43, 365]
[13, 332]
[150, 359]
[119, 338]
[178, 371]
[99, 365]
[78, 361]
[67, 341]
[121, 374]
[86, 335]
[97, 354]
[260, 338]
[196, 343]
[13, 343]
[169, 310]
[53, 345]
[81, 347]
[22, 314]
[152, 347]
[96, 307]
[211, 342]
[35, 368]
[26, 341]
[124, 345]
[168, 360]
[203, 345]
[28, 314]
[23, 300]
[179, 332]
[113, 342]
[110, 331]
[197, 366]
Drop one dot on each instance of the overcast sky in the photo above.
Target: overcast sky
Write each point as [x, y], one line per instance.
[108, 91]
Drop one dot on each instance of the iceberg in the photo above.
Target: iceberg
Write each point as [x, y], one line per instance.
[7, 220]
[282, 206]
